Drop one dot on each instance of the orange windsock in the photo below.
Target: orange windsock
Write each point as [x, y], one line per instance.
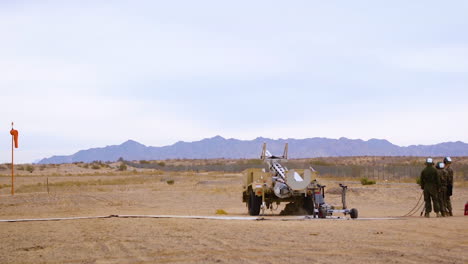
[14, 133]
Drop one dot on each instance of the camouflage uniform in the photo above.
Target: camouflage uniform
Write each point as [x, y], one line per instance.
[448, 203]
[430, 183]
[443, 175]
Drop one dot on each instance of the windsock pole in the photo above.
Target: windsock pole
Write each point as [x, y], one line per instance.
[12, 163]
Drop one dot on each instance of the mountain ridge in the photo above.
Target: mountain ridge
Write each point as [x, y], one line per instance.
[231, 148]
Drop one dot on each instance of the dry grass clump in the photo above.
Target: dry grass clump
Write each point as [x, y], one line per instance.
[30, 168]
[122, 167]
[365, 181]
[170, 182]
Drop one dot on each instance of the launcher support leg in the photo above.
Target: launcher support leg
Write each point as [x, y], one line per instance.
[344, 188]
[263, 207]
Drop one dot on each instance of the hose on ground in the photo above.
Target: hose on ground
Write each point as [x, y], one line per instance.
[416, 208]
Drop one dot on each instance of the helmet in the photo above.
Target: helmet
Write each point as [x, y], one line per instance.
[447, 160]
[440, 165]
[429, 161]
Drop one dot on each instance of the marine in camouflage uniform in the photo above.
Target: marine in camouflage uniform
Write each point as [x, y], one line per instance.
[430, 183]
[443, 188]
[449, 171]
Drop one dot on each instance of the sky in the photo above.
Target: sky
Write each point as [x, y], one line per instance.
[81, 74]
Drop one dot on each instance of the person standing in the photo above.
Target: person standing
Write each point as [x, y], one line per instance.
[443, 188]
[449, 171]
[430, 183]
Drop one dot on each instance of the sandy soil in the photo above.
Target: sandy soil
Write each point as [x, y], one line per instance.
[119, 240]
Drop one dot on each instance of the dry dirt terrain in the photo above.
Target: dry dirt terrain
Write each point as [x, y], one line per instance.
[147, 240]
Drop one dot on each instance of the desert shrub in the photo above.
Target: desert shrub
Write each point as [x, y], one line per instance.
[122, 167]
[20, 167]
[30, 168]
[144, 162]
[418, 180]
[3, 167]
[95, 167]
[86, 166]
[170, 182]
[365, 181]
[162, 163]
[221, 212]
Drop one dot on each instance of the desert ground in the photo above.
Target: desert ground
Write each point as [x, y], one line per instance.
[74, 191]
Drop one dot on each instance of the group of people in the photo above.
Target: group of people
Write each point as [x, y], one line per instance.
[437, 184]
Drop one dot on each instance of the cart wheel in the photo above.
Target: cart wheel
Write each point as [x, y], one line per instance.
[322, 212]
[255, 203]
[354, 213]
[308, 205]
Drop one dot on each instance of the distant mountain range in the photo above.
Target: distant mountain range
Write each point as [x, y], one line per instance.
[219, 147]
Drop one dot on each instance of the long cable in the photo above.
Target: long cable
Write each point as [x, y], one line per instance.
[416, 207]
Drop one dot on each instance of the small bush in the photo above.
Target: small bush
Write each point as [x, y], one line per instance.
[30, 168]
[144, 162]
[365, 181]
[162, 163]
[221, 212]
[122, 167]
[170, 182]
[95, 167]
[418, 180]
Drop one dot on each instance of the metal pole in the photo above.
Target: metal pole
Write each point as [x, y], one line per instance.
[12, 166]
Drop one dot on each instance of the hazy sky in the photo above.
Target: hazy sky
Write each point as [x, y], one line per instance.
[96, 73]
